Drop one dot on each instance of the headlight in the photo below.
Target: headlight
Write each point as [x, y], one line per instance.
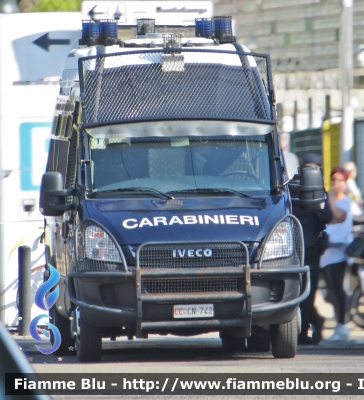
[96, 249]
[283, 246]
[281, 243]
[99, 246]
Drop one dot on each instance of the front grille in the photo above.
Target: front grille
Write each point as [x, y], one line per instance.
[192, 285]
[192, 255]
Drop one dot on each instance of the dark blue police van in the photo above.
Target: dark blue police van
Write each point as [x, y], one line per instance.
[165, 196]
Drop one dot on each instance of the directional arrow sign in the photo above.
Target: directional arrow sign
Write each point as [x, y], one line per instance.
[92, 13]
[44, 42]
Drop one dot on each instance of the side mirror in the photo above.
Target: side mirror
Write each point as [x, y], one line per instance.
[52, 201]
[309, 191]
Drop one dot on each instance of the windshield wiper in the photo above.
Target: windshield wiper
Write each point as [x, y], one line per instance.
[212, 190]
[139, 190]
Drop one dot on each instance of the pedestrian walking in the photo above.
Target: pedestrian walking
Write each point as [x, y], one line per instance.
[334, 260]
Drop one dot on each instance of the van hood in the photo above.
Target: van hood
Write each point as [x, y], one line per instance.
[136, 221]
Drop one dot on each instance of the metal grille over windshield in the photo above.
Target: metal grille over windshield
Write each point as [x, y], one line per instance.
[212, 84]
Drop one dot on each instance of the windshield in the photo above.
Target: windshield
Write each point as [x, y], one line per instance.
[183, 164]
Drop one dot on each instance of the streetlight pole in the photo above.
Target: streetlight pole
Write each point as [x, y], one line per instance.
[346, 68]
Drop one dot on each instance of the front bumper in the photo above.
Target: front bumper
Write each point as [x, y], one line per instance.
[141, 299]
[141, 313]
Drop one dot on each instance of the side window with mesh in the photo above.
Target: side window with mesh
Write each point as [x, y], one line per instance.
[72, 160]
[58, 156]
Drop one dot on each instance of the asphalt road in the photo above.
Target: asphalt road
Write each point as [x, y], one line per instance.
[204, 354]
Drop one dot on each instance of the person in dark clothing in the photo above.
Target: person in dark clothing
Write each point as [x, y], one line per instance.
[313, 226]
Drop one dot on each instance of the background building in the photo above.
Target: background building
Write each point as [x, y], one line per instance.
[309, 45]
[303, 39]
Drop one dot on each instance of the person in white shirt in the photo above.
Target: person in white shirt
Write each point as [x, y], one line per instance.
[334, 260]
[352, 189]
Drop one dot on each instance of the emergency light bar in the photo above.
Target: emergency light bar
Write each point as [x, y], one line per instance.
[90, 33]
[217, 27]
[104, 32]
[108, 33]
[223, 29]
[204, 27]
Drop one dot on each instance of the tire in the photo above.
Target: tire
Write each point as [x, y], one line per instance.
[67, 346]
[284, 339]
[89, 342]
[357, 307]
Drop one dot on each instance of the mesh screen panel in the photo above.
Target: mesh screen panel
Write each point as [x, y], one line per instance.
[133, 87]
[200, 256]
[192, 285]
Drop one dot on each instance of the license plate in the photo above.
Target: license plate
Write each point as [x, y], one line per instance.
[193, 311]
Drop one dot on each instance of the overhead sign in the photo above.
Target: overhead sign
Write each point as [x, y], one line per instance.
[164, 13]
[45, 42]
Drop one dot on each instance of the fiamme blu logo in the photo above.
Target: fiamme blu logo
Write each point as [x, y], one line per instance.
[46, 302]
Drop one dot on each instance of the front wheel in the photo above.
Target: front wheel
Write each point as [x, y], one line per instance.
[89, 342]
[64, 326]
[284, 339]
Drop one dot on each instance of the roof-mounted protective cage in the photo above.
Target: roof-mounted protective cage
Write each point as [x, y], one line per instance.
[145, 26]
[213, 85]
[172, 41]
[172, 60]
[283, 246]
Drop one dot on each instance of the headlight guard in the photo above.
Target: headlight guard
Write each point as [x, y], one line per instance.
[283, 246]
[97, 249]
